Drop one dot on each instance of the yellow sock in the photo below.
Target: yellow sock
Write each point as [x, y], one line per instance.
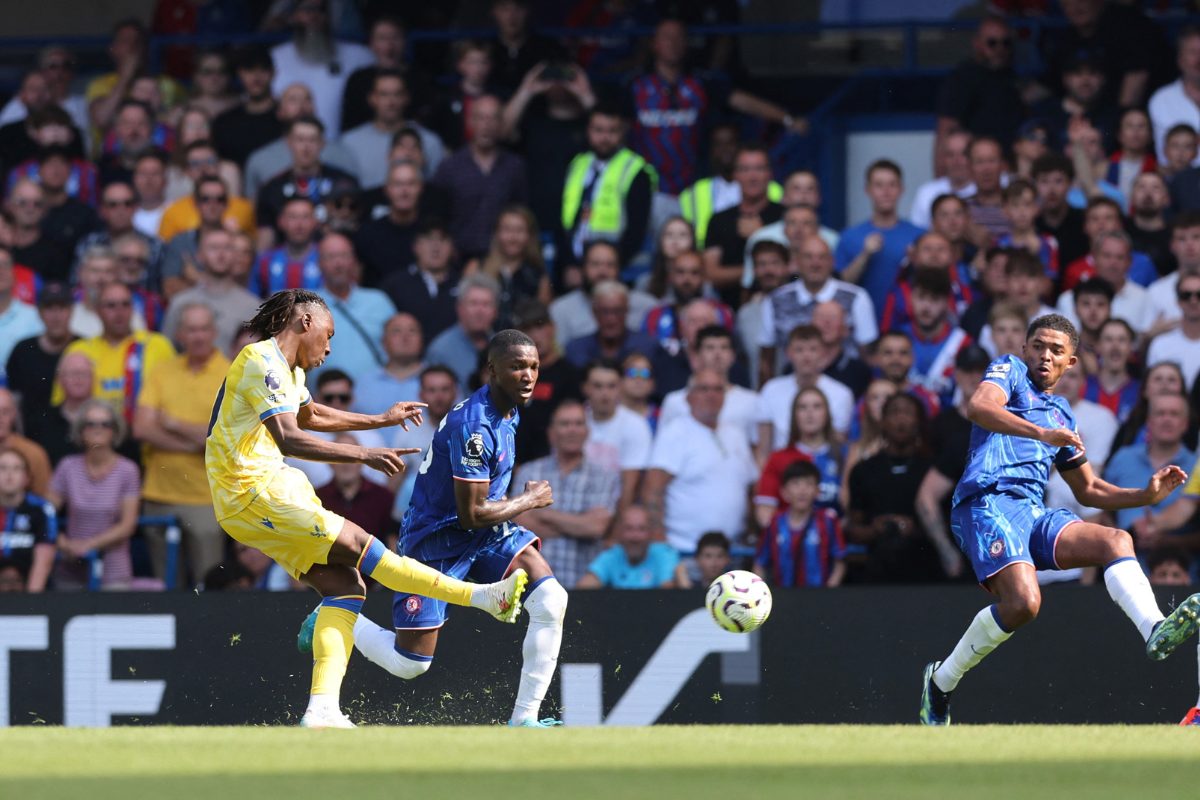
[333, 641]
[407, 576]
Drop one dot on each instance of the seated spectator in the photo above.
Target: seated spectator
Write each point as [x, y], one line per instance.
[612, 339]
[800, 190]
[1134, 465]
[482, 178]
[117, 203]
[770, 271]
[869, 439]
[675, 237]
[830, 319]
[1086, 149]
[1021, 210]
[715, 351]
[1180, 346]
[173, 409]
[870, 253]
[811, 438]
[980, 96]
[793, 304]
[952, 157]
[672, 372]
[19, 139]
[459, 346]
[31, 246]
[1164, 378]
[1185, 251]
[371, 141]
[1112, 386]
[572, 312]
[293, 264]
[1168, 566]
[199, 164]
[1082, 95]
[806, 354]
[429, 287]
[231, 305]
[18, 320]
[132, 135]
[358, 313]
[29, 539]
[179, 269]
[1024, 280]
[951, 221]
[366, 504]
[335, 389]
[449, 111]
[1053, 175]
[52, 427]
[685, 283]
[35, 457]
[132, 254]
[195, 126]
[634, 562]
[1103, 217]
[1149, 204]
[128, 51]
[32, 362]
[386, 240]
[638, 388]
[12, 579]
[306, 177]
[99, 491]
[936, 340]
[725, 244]
[618, 438]
[1093, 308]
[122, 356]
[991, 287]
[558, 380]
[67, 219]
[252, 123]
[883, 489]
[931, 251]
[150, 183]
[515, 262]
[986, 159]
[700, 471]
[585, 496]
[802, 545]
[399, 378]
[387, 40]
[712, 559]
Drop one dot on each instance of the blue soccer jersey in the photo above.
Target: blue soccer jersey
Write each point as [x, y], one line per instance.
[1014, 464]
[473, 443]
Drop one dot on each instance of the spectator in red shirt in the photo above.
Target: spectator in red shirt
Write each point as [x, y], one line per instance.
[813, 439]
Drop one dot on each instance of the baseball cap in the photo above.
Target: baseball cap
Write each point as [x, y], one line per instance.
[972, 358]
[55, 294]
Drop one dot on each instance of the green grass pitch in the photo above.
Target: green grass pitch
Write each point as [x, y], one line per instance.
[610, 763]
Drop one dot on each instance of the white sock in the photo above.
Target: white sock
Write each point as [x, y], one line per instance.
[379, 646]
[547, 606]
[1130, 590]
[323, 705]
[982, 636]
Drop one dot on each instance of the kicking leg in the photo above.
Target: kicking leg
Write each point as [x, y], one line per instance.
[404, 653]
[343, 594]
[547, 606]
[1088, 545]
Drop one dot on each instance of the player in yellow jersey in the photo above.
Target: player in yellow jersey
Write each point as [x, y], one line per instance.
[260, 415]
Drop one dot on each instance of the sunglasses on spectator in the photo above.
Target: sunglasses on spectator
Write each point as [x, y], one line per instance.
[213, 198]
[1187, 297]
[637, 372]
[1006, 42]
[99, 423]
[120, 203]
[336, 398]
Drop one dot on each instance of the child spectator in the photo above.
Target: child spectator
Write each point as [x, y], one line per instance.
[712, 557]
[1179, 151]
[1025, 278]
[1007, 325]
[637, 388]
[11, 577]
[936, 339]
[803, 545]
[1168, 566]
[30, 531]
[1021, 210]
[812, 439]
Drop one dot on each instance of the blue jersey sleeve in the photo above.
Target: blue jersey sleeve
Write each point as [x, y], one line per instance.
[1007, 372]
[472, 449]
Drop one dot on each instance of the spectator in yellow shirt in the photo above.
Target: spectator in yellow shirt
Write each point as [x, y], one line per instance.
[183, 215]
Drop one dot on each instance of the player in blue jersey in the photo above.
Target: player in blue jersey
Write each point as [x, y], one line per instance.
[1020, 429]
[458, 522]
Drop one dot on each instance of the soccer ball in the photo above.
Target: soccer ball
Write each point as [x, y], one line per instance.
[739, 601]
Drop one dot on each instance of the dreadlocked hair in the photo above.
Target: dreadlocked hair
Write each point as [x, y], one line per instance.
[276, 312]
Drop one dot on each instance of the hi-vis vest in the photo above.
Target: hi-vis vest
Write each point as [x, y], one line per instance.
[606, 217]
[696, 205]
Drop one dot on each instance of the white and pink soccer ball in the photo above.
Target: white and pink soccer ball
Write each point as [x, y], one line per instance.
[739, 601]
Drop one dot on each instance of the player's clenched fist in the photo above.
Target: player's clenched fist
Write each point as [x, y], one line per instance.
[539, 492]
[389, 461]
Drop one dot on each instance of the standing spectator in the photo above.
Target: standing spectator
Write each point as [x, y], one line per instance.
[714, 351]
[794, 303]
[150, 183]
[1053, 175]
[1024, 278]
[439, 392]
[316, 59]
[133, 258]
[572, 312]
[1165, 428]
[1180, 345]
[117, 204]
[515, 262]
[952, 157]
[882, 493]
[516, 49]
[802, 545]
[700, 471]
[1113, 387]
[171, 421]
[618, 438]
[385, 243]
[685, 284]
[359, 313]
[35, 455]
[936, 339]
[980, 97]
[399, 378]
[586, 496]
[770, 271]
[363, 502]
[806, 355]
[18, 320]
[230, 304]
[1021, 210]
[17, 139]
[1149, 200]
[372, 140]
[97, 270]
[635, 562]
[930, 251]
[33, 361]
[458, 347]
[1112, 256]
[99, 491]
[449, 113]
[607, 193]
[830, 319]
[986, 158]
[811, 438]
[179, 270]
[293, 264]
[870, 253]
[481, 178]
[1086, 149]
[252, 123]
[429, 287]
[1103, 217]
[1083, 90]
[67, 218]
[558, 379]
[992, 287]
[30, 535]
[53, 426]
[725, 244]
[388, 42]
[122, 356]
[129, 54]
[196, 126]
[131, 136]
[1179, 102]
[31, 247]
[201, 164]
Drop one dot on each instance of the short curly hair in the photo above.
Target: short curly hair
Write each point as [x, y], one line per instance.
[1054, 322]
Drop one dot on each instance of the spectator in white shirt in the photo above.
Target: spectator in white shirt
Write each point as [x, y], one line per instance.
[150, 182]
[572, 313]
[1182, 345]
[772, 268]
[714, 351]
[701, 471]
[806, 353]
[1114, 255]
[618, 437]
[957, 180]
[1179, 102]
[1163, 311]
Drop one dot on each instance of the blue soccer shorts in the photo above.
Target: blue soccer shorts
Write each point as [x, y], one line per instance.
[995, 529]
[478, 557]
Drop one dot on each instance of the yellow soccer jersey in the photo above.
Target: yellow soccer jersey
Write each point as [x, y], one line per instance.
[240, 454]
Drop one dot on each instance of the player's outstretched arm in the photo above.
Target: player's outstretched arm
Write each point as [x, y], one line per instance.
[316, 417]
[1098, 493]
[987, 410]
[476, 511]
[293, 442]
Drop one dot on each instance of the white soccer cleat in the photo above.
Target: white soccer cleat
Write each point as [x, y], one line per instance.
[503, 599]
[315, 719]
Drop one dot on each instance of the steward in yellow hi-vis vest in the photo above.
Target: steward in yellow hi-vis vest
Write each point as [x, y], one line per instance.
[697, 207]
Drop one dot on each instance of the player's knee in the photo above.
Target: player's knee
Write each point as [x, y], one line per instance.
[547, 602]
[1122, 544]
[1022, 610]
[403, 665]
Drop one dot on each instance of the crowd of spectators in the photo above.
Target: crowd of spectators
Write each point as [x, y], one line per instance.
[725, 381]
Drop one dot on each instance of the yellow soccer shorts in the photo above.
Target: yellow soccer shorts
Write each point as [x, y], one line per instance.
[287, 522]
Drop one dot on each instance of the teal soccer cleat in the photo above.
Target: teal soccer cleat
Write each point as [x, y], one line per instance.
[537, 723]
[1174, 630]
[305, 637]
[935, 704]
